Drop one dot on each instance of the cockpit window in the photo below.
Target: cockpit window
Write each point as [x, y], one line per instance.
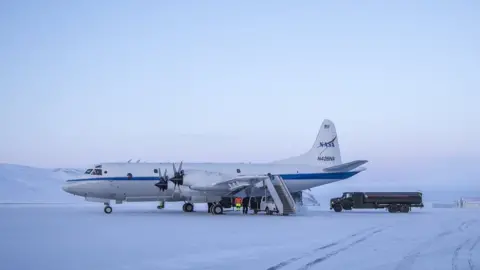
[88, 171]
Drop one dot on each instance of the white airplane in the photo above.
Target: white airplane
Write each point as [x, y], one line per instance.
[213, 182]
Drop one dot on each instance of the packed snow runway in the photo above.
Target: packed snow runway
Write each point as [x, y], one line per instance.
[142, 237]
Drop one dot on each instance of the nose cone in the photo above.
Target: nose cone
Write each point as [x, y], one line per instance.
[68, 188]
[65, 188]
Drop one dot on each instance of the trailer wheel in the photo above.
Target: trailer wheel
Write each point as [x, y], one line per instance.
[337, 208]
[404, 208]
[392, 208]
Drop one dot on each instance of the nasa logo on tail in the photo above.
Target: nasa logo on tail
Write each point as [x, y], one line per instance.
[327, 144]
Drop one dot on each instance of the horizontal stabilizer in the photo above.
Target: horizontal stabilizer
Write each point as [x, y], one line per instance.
[345, 167]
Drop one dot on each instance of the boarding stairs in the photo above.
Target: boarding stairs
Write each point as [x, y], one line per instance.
[281, 195]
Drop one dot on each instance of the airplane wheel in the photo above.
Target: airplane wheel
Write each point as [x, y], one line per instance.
[217, 209]
[107, 209]
[188, 207]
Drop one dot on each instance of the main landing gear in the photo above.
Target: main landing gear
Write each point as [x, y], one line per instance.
[108, 209]
[187, 207]
[215, 208]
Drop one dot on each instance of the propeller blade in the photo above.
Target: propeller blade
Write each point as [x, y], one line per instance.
[174, 168]
[180, 167]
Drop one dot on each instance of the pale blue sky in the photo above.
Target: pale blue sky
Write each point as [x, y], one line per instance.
[91, 81]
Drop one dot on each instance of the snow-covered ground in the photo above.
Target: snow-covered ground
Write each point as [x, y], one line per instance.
[142, 237]
[42, 227]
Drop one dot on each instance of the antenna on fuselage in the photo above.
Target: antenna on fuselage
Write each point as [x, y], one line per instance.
[129, 160]
[138, 161]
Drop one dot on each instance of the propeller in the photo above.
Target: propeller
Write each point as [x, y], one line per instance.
[177, 179]
[163, 183]
[178, 175]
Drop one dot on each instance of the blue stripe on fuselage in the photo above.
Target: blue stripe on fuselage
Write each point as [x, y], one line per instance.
[288, 177]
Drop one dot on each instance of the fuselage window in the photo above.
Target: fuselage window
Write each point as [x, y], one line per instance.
[88, 171]
[104, 172]
[155, 171]
[129, 175]
[238, 171]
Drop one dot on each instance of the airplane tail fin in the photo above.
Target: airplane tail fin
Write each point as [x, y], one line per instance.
[325, 151]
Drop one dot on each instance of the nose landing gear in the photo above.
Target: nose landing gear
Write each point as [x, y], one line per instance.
[108, 209]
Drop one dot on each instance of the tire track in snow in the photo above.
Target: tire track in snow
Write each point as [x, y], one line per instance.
[337, 251]
[459, 250]
[294, 259]
[470, 254]
[409, 260]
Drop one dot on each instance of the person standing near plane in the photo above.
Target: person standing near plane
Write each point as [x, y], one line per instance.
[238, 203]
[253, 204]
[245, 202]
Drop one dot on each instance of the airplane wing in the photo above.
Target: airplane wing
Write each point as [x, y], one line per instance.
[241, 182]
[345, 167]
[251, 179]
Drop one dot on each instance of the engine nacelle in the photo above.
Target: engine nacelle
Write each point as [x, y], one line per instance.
[201, 178]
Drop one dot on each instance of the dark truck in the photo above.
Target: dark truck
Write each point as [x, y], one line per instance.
[393, 201]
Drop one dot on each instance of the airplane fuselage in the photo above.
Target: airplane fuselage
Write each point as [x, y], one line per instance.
[136, 181]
